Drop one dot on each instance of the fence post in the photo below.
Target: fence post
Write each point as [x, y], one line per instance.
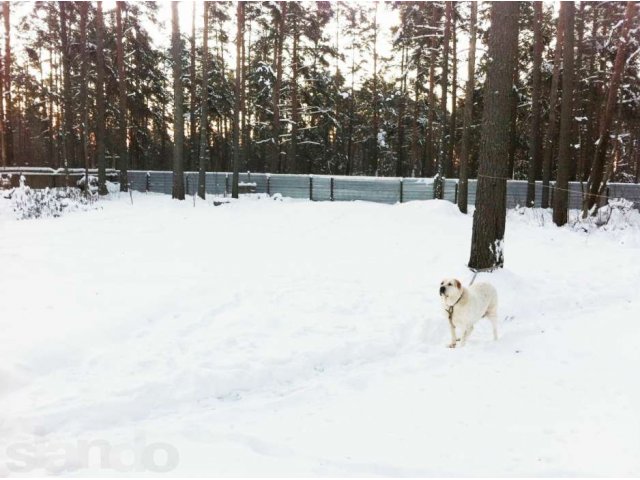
[331, 191]
[311, 187]
[401, 190]
[146, 182]
[268, 184]
[455, 196]
[226, 184]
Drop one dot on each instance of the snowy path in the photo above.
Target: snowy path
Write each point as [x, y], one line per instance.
[279, 338]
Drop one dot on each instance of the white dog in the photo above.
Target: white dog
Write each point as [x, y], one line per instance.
[465, 306]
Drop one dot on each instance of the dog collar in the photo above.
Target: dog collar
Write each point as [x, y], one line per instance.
[450, 309]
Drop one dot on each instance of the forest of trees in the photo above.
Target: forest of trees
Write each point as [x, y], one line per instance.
[263, 86]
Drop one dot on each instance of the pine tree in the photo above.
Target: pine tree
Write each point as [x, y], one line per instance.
[550, 138]
[597, 183]
[122, 101]
[490, 214]
[463, 186]
[8, 154]
[535, 147]
[204, 105]
[561, 194]
[236, 109]
[178, 107]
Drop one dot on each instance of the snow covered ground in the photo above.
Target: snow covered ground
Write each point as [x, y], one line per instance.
[269, 337]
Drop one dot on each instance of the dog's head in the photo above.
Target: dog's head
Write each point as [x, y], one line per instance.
[450, 290]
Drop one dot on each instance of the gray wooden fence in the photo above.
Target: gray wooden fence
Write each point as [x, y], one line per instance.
[373, 189]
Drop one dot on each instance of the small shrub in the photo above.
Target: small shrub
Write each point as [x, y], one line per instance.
[50, 202]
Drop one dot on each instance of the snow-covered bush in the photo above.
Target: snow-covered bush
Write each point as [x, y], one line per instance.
[50, 202]
[617, 214]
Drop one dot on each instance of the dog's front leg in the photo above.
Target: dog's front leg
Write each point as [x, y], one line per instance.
[453, 335]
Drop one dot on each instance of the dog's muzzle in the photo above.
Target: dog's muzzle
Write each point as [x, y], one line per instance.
[442, 289]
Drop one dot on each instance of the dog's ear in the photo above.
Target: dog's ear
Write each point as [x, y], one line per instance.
[458, 284]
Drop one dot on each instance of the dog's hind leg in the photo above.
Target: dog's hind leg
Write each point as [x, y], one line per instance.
[465, 335]
[492, 315]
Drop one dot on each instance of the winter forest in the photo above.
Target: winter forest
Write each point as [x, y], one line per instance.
[320, 238]
[85, 84]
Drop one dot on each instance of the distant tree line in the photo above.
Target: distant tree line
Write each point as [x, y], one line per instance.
[89, 88]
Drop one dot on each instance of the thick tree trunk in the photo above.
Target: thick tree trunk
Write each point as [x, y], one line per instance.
[100, 103]
[551, 125]
[178, 108]
[238, 103]
[561, 195]
[204, 105]
[443, 154]
[122, 104]
[463, 184]
[597, 184]
[489, 218]
[535, 140]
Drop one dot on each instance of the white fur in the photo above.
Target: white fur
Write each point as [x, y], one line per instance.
[469, 305]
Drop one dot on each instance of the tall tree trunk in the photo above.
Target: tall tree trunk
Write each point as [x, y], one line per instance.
[415, 150]
[295, 107]
[435, 17]
[489, 218]
[276, 162]
[352, 108]
[463, 184]
[69, 141]
[100, 105]
[535, 147]
[454, 94]
[204, 105]
[513, 123]
[577, 133]
[3, 149]
[374, 92]
[193, 139]
[443, 155]
[401, 109]
[238, 103]
[561, 195]
[551, 125]
[178, 108]
[84, 111]
[245, 137]
[591, 108]
[122, 103]
[9, 117]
